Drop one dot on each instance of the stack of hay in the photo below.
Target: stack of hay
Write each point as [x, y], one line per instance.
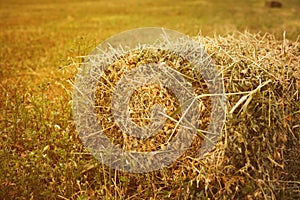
[258, 155]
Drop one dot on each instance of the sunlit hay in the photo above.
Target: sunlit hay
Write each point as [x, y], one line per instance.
[145, 97]
[258, 154]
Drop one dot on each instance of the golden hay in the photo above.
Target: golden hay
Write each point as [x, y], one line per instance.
[144, 98]
[258, 155]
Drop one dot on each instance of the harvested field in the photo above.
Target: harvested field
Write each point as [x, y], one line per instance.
[42, 46]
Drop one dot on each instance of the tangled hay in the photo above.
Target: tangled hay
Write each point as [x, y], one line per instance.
[258, 155]
[145, 97]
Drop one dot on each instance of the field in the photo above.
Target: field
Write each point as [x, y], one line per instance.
[41, 44]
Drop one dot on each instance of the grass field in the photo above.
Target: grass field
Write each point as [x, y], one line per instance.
[41, 154]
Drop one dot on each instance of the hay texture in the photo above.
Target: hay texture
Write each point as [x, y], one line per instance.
[258, 154]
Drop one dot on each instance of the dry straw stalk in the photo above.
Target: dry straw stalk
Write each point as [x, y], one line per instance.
[258, 155]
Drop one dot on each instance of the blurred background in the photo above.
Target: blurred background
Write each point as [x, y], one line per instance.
[40, 33]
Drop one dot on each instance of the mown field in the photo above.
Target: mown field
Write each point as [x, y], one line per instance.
[41, 155]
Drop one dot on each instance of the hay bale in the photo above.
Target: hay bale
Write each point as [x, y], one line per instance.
[258, 155]
[273, 4]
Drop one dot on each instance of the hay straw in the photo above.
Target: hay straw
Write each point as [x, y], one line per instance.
[258, 155]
